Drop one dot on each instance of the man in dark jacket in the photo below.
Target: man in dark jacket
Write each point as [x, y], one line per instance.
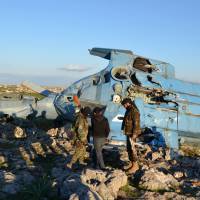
[100, 132]
[131, 128]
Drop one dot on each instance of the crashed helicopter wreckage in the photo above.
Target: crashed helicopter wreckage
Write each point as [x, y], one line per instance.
[169, 108]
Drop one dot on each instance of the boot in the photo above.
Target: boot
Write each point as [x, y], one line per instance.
[134, 168]
[126, 167]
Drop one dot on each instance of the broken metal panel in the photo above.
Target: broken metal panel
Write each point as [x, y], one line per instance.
[159, 120]
[157, 116]
[115, 113]
[143, 64]
[46, 107]
[16, 108]
[92, 91]
[185, 87]
[171, 138]
[160, 111]
[103, 90]
[106, 53]
[188, 125]
[191, 141]
[189, 111]
[19, 111]
[171, 85]
[187, 98]
[120, 59]
[25, 107]
[164, 69]
[167, 106]
[163, 117]
[36, 88]
[64, 106]
[125, 57]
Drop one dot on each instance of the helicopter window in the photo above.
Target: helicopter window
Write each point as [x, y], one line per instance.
[107, 77]
[69, 98]
[96, 80]
[142, 64]
[150, 79]
[120, 73]
[135, 80]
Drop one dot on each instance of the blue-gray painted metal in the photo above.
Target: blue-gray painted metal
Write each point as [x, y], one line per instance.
[177, 115]
[168, 106]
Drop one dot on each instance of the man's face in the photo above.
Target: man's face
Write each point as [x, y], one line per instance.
[98, 114]
[126, 105]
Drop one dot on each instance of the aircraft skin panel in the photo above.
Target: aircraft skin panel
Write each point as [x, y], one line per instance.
[167, 105]
[178, 114]
[36, 88]
[119, 59]
[172, 85]
[46, 107]
[105, 53]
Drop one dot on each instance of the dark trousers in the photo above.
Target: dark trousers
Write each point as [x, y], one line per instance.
[131, 149]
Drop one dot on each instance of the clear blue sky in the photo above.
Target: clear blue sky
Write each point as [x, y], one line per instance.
[38, 37]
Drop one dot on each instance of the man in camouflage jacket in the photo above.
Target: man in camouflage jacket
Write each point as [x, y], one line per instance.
[131, 128]
[81, 131]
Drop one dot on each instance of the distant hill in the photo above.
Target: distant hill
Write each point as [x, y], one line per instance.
[13, 79]
[9, 89]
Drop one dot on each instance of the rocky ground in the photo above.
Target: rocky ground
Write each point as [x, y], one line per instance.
[22, 89]
[15, 91]
[33, 167]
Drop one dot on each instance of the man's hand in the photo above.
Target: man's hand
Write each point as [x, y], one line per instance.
[136, 133]
[134, 136]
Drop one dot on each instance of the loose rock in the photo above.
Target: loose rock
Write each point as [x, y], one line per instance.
[155, 180]
[53, 132]
[19, 133]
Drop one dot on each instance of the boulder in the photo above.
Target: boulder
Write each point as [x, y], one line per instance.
[91, 174]
[168, 154]
[178, 175]
[156, 156]
[72, 188]
[155, 180]
[93, 184]
[3, 160]
[89, 195]
[104, 191]
[52, 132]
[19, 133]
[66, 132]
[106, 184]
[115, 181]
[38, 148]
[9, 183]
[7, 177]
[167, 195]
